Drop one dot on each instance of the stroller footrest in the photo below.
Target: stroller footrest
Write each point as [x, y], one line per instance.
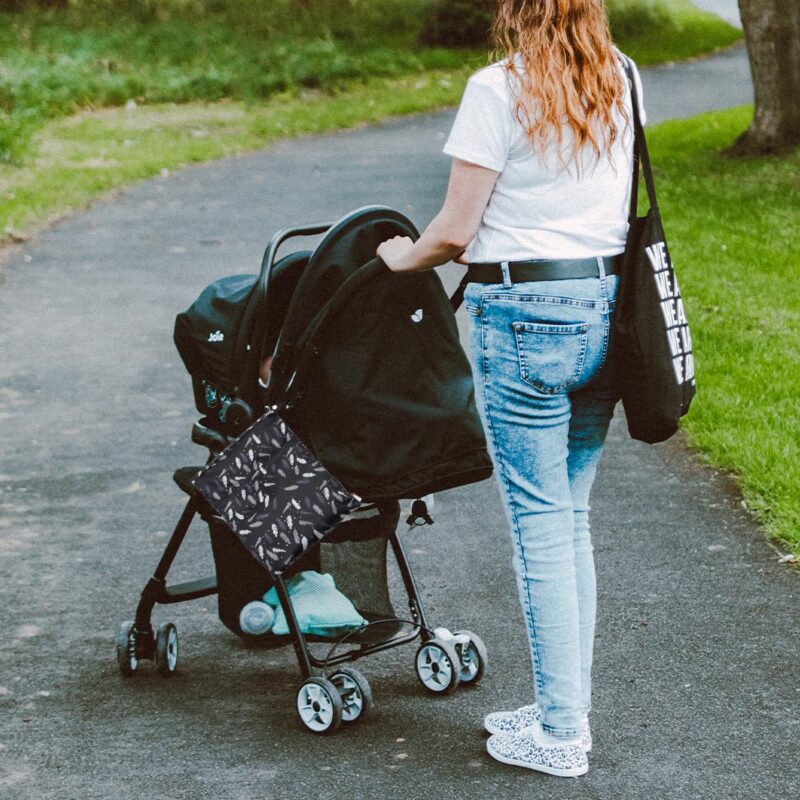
[208, 437]
[191, 590]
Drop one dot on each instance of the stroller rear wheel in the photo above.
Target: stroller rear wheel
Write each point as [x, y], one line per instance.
[167, 649]
[438, 666]
[354, 691]
[319, 705]
[126, 649]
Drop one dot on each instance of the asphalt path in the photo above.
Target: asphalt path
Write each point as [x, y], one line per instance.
[697, 656]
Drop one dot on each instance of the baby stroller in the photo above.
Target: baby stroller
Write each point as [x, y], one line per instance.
[366, 367]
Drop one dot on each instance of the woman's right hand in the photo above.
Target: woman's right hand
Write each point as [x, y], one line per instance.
[392, 251]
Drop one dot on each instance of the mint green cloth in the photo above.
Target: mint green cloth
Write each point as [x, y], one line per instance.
[319, 606]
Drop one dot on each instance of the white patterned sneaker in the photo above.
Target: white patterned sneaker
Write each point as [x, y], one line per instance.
[524, 750]
[522, 718]
[512, 721]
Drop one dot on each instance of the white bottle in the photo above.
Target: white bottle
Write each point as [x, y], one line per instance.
[256, 618]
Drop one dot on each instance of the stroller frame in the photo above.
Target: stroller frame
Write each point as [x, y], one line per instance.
[137, 639]
[158, 592]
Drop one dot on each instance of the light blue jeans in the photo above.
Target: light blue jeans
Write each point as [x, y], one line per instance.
[546, 393]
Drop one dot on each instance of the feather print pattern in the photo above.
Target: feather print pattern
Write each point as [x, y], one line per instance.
[268, 487]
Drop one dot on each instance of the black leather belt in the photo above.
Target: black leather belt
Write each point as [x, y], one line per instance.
[543, 270]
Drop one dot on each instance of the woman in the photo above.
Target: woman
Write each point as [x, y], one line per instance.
[537, 205]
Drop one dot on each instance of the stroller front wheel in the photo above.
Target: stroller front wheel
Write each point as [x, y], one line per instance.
[167, 649]
[438, 666]
[355, 691]
[126, 649]
[474, 657]
[319, 705]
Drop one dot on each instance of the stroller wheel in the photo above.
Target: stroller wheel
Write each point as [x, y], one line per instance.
[319, 705]
[354, 691]
[438, 666]
[126, 649]
[167, 649]
[474, 658]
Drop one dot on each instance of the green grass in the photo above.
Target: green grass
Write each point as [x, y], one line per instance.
[655, 31]
[52, 65]
[100, 54]
[732, 227]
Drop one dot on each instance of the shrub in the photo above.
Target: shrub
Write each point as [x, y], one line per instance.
[630, 18]
[457, 23]
[466, 23]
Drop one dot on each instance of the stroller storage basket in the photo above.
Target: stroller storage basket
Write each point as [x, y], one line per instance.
[355, 555]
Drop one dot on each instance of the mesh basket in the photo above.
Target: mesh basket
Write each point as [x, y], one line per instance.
[354, 555]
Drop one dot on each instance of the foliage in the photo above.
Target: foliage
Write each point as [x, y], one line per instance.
[465, 23]
[629, 19]
[102, 53]
[457, 23]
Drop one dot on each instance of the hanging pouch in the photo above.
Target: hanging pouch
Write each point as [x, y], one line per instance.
[274, 494]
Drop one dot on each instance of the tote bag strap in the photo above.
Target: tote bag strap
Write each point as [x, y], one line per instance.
[640, 152]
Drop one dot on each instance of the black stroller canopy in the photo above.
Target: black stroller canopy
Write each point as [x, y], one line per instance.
[371, 360]
[347, 246]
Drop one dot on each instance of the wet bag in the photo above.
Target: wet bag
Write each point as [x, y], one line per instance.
[273, 493]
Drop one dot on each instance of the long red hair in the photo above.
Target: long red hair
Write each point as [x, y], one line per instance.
[560, 53]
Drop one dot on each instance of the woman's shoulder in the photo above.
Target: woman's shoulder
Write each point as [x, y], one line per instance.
[494, 75]
[624, 59]
[637, 79]
[494, 80]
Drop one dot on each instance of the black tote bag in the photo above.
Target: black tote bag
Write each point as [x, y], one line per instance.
[654, 346]
[274, 494]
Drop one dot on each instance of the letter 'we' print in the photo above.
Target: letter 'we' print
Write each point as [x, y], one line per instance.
[677, 327]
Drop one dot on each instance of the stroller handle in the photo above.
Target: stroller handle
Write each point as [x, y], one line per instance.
[275, 243]
[267, 263]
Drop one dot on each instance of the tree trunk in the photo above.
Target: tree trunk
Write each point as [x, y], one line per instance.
[772, 33]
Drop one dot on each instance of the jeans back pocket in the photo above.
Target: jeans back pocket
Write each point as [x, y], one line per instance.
[551, 355]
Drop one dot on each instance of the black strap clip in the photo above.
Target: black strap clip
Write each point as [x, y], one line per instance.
[419, 514]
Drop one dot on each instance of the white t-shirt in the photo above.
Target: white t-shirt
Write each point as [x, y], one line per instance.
[538, 209]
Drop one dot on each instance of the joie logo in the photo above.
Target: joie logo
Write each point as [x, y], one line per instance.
[417, 315]
[217, 336]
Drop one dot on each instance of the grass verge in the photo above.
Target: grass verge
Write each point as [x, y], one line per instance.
[77, 158]
[657, 31]
[732, 227]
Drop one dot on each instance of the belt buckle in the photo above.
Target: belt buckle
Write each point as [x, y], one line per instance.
[505, 269]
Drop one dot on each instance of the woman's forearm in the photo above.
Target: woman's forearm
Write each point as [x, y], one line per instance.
[452, 229]
[440, 242]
